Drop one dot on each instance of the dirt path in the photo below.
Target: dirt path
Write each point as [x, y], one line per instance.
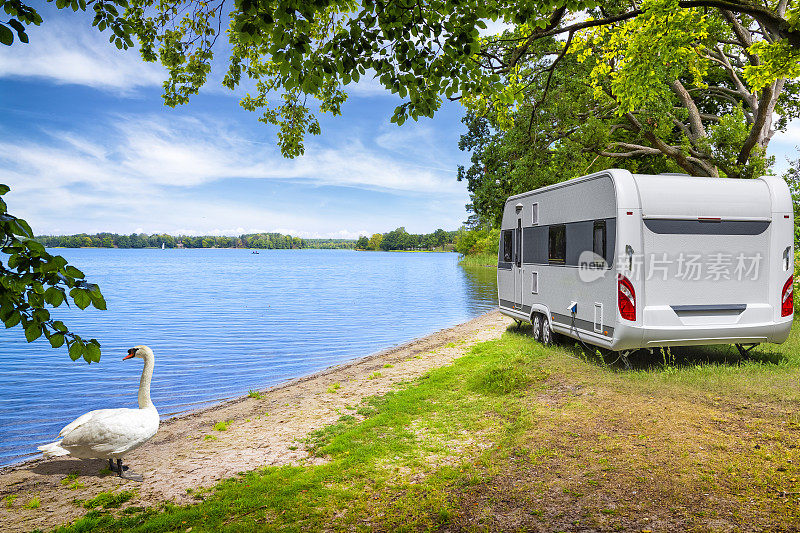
[188, 453]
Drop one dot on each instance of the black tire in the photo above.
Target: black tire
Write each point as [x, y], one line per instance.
[547, 333]
[537, 327]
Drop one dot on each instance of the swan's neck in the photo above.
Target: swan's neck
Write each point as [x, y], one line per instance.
[144, 384]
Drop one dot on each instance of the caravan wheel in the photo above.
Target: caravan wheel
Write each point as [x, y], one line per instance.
[537, 327]
[547, 334]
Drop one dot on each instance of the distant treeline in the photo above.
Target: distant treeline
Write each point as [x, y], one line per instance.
[141, 240]
[400, 239]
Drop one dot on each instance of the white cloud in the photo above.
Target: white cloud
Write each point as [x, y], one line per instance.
[189, 152]
[141, 173]
[68, 50]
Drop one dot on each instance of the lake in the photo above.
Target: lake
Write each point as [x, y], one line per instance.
[223, 322]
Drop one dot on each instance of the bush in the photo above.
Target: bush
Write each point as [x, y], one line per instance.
[478, 241]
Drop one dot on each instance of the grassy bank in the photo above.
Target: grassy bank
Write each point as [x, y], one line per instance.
[514, 435]
[487, 260]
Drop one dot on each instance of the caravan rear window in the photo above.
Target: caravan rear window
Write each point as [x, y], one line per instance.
[508, 245]
[557, 244]
[599, 238]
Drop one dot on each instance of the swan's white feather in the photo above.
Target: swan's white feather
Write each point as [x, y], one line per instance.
[111, 433]
[53, 449]
[77, 422]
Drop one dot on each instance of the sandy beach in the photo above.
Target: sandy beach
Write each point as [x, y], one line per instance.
[187, 453]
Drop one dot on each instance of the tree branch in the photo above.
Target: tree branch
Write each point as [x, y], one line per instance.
[694, 114]
[774, 22]
[551, 29]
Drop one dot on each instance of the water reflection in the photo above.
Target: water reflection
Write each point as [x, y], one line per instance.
[481, 285]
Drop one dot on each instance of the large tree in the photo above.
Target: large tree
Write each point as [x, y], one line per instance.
[304, 53]
[577, 109]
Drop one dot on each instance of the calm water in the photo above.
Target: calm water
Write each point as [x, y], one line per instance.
[222, 322]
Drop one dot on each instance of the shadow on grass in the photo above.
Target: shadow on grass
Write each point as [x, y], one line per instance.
[675, 356]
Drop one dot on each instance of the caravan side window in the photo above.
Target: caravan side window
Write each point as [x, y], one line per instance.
[557, 245]
[599, 238]
[508, 245]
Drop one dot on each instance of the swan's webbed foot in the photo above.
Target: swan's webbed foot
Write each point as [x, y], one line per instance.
[131, 476]
[113, 467]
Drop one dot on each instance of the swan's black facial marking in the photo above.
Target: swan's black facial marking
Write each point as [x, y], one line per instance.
[131, 353]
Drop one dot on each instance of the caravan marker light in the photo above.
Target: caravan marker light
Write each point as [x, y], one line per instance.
[787, 297]
[626, 298]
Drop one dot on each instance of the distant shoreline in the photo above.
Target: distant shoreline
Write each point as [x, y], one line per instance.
[411, 251]
[256, 249]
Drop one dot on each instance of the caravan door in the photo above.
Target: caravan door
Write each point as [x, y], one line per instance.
[505, 270]
[518, 266]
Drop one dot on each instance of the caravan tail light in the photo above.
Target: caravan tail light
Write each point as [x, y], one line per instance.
[787, 297]
[626, 298]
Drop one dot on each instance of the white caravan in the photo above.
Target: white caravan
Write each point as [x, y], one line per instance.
[626, 261]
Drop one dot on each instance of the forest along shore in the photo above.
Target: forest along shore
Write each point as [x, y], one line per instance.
[201, 448]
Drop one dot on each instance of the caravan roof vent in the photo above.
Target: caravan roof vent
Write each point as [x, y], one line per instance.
[518, 207]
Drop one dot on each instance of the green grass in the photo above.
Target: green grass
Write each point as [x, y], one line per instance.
[71, 482]
[700, 440]
[483, 260]
[222, 425]
[9, 500]
[33, 503]
[333, 387]
[254, 394]
[109, 500]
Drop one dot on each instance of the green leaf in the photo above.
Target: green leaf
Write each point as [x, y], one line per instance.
[41, 315]
[14, 23]
[76, 350]
[54, 296]
[57, 340]
[98, 301]
[33, 331]
[82, 297]
[92, 351]
[4, 188]
[73, 272]
[35, 300]
[6, 35]
[13, 319]
[35, 247]
[26, 229]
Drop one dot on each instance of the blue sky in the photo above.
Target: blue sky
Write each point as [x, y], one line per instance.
[87, 145]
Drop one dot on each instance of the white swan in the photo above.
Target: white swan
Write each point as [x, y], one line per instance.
[111, 433]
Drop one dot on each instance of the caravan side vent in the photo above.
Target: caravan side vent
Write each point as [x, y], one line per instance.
[534, 283]
[598, 317]
[535, 214]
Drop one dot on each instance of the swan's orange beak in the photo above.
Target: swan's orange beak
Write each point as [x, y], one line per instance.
[131, 353]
